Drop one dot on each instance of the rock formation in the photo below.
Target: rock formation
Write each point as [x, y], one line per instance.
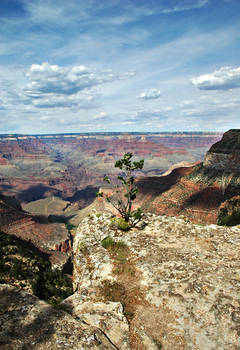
[29, 323]
[225, 154]
[167, 284]
[39, 166]
[197, 192]
[50, 238]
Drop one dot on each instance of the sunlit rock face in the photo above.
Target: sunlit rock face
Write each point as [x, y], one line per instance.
[196, 192]
[178, 283]
[225, 154]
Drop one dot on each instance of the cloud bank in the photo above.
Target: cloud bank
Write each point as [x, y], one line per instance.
[45, 78]
[52, 86]
[151, 47]
[225, 78]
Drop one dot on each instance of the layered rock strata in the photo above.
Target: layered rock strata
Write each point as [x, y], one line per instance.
[178, 283]
[197, 192]
[35, 167]
[225, 154]
[50, 238]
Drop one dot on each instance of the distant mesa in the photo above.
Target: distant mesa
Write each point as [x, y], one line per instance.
[51, 238]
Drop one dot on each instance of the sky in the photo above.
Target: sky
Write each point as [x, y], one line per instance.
[119, 65]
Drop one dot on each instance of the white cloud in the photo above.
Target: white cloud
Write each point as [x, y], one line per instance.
[150, 94]
[45, 78]
[41, 11]
[225, 78]
[54, 87]
[62, 13]
[79, 100]
[133, 13]
[144, 115]
[186, 6]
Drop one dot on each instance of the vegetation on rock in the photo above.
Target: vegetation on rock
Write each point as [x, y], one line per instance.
[69, 226]
[229, 220]
[109, 242]
[125, 191]
[120, 223]
[229, 213]
[20, 266]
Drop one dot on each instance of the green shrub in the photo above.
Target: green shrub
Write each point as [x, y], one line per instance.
[121, 224]
[229, 220]
[125, 192]
[109, 243]
[69, 226]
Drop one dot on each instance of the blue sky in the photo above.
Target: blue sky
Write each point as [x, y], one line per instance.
[119, 65]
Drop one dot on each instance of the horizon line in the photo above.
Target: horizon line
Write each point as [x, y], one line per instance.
[115, 133]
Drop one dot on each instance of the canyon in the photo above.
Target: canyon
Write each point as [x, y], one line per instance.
[201, 192]
[54, 177]
[36, 167]
[171, 282]
[57, 177]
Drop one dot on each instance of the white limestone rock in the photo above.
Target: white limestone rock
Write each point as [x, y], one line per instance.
[184, 289]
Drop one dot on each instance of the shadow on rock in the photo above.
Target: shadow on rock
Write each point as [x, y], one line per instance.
[26, 320]
[36, 192]
[85, 196]
[29, 323]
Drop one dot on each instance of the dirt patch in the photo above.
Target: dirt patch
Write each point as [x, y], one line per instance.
[128, 291]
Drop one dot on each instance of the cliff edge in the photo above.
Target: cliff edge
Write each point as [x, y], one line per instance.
[225, 154]
[199, 192]
[50, 238]
[167, 284]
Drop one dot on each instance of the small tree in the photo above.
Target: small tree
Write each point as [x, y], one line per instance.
[125, 192]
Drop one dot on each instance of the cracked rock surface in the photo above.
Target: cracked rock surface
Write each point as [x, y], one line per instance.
[29, 323]
[178, 283]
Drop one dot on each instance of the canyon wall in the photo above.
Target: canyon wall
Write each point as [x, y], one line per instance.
[39, 166]
[225, 154]
[200, 191]
[50, 238]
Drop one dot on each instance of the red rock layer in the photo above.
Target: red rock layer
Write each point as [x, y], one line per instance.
[49, 238]
[175, 194]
